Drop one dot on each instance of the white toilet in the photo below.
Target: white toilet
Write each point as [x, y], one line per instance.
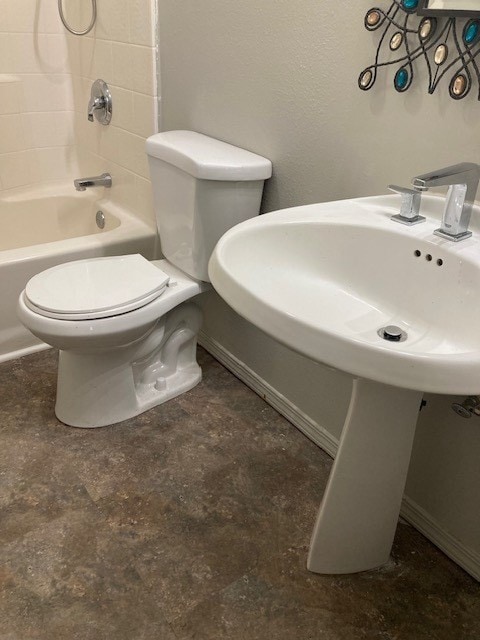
[126, 327]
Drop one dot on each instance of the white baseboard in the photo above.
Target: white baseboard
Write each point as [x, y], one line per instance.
[465, 557]
[13, 355]
[278, 401]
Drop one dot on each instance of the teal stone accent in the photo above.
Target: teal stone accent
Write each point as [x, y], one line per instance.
[471, 31]
[410, 4]
[401, 79]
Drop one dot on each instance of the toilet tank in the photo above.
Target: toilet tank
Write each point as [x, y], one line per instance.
[201, 188]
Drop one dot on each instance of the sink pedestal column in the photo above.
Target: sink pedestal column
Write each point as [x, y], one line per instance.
[358, 516]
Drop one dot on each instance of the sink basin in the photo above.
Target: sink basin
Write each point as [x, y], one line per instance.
[325, 280]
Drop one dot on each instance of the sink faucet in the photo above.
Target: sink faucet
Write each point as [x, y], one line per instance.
[105, 180]
[410, 205]
[463, 181]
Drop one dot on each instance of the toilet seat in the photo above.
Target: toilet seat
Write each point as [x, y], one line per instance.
[95, 288]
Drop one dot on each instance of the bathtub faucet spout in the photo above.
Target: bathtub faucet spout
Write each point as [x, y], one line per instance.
[105, 180]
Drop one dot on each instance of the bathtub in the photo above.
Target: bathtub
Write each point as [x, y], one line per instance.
[44, 226]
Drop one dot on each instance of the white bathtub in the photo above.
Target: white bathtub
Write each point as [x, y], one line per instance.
[44, 226]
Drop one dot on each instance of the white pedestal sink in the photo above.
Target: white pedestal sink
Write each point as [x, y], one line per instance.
[324, 279]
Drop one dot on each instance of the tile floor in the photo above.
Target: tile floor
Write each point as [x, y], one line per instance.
[191, 521]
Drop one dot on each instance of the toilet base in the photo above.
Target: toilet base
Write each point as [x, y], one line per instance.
[100, 388]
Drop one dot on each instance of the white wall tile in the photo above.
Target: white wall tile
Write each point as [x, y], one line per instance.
[101, 66]
[5, 54]
[144, 198]
[123, 188]
[30, 16]
[20, 16]
[44, 132]
[142, 22]
[131, 153]
[144, 115]
[58, 163]
[37, 53]
[143, 70]
[122, 70]
[16, 169]
[5, 20]
[12, 137]
[113, 20]
[49, 129]
[47, 92]
[11, 96]
[123, 111]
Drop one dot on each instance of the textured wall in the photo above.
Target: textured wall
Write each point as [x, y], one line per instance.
[280, 78]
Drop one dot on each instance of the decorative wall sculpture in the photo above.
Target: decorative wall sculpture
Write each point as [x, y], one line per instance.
[447, 46]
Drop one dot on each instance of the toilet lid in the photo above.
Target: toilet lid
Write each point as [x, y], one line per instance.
[95, 288]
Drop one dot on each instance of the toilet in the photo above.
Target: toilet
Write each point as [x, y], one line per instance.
[127, 327]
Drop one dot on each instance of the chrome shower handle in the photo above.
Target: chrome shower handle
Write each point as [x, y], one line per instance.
[100, 103]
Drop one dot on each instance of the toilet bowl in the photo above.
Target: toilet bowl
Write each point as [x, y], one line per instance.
[114, 367]
[126, 328]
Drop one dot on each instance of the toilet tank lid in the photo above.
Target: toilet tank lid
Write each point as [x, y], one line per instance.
[207, 158]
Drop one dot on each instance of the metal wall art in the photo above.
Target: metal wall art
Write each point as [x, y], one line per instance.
[447, 45]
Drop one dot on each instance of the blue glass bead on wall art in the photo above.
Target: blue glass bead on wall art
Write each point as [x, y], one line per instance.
[412, 41]
[410, 5]
[401, 79]
[471, 32]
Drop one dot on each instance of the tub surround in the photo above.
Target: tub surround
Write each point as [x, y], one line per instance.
[46, 140]
[121, 50]
[45, 80]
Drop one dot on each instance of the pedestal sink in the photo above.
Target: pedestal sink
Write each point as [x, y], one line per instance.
[326, 280]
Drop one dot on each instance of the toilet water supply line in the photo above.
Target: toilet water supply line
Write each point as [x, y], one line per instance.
[69, 28]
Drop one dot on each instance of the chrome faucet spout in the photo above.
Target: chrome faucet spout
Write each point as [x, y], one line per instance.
[105, 180]
[463, 179]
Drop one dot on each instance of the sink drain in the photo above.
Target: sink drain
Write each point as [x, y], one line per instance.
[392, 334]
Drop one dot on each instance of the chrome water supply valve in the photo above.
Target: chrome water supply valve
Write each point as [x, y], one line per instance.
[469, 407]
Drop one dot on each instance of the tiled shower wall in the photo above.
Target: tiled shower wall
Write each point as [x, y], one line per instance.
[36, 97]
[45, 80]
[121, 50]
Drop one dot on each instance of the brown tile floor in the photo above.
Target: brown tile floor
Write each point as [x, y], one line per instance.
[190, 521]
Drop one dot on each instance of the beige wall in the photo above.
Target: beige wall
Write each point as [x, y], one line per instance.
[280, 78]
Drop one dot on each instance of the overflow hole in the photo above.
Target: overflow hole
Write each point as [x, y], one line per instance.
[428, 257]
[439, 262]
[417, 253]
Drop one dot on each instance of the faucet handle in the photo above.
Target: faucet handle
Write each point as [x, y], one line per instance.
[95, 104]
[419, 184]
[410, 205]
[100, 104]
